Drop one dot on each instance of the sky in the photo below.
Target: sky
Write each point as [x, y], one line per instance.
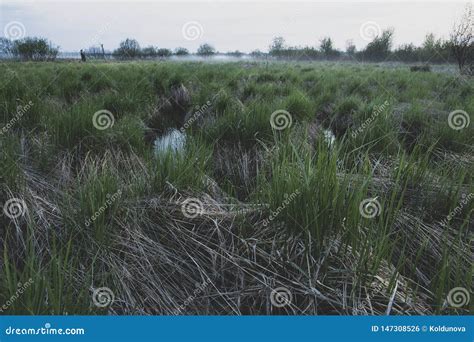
[227, 25]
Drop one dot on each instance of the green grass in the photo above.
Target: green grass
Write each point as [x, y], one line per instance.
[277, 207]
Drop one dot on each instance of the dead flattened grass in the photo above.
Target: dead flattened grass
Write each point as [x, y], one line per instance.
[223, 261]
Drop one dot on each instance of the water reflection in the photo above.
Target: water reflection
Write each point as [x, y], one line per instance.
[173, 141]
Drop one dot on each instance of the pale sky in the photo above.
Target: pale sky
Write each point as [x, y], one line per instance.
[227, 25]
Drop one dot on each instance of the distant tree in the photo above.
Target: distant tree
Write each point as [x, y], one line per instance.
[379, 48]
[149, 52]
[350, 48]
[428, 48]
[129, 48]
[327, 49]
[326, 45]
[462, 42]
[429, 42]
[434, 50]
[181, 51]
[34, 49]
[164, 52]
[206, 50]
[277, 46]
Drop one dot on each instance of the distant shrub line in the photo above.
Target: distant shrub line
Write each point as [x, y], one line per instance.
[458, 49]
[379, 49]
[432, 50]
[29, 48]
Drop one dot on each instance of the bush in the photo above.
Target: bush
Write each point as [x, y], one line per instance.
[327, 48]
[379, 48]
[407, 53]
[34, 49]
[350, 48]
[279, 49]
[435, 50]
[206, 50]
[149, 51]
[164, 52]
[129, 48]
[181, 51]
[277, 46]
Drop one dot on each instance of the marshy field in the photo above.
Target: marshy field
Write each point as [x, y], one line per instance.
[178, 188]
